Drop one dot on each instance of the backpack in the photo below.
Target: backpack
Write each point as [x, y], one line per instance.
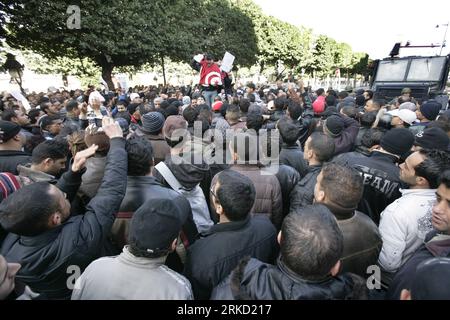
[196, 198]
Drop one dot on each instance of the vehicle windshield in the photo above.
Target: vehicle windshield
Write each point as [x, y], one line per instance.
[421, 69]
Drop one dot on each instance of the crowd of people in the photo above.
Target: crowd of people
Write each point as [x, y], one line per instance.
[217, 191]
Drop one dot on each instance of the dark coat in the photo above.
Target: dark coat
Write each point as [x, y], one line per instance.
[288, 177]
[46, 259]
[293, 156]
[381, 182]
[211, 258]
[346, 140]
[139, 190]
[256, 280]
[303, 192]
[362, 243]
[269, 200]
[10, 159]
[159, 145]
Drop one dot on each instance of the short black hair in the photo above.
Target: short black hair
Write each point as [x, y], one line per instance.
[72, 104]
[311, 242]
[322, 145]
[288, 130]
[33, 114]
[45, 105]
[8, 114]
[342, 185]
[53, 149]
[350, 111]
[445, 179]
[255, 120]
[330, 100]
[236, 194]
[27, 210]
[48, 121]
[280, 103]
[372, 137]
[369, 93]
[172, 110]
[295, 110]
[343, 94]
[320, 91]
[140, 156]
[251, 85]
[367, 119]
[244, 104]
[379, 103]
[190, 114]
[436, 162]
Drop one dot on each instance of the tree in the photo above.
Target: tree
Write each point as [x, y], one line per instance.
[126, 33]
[85, 69]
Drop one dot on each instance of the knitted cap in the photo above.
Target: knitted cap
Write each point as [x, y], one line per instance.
[397, 141]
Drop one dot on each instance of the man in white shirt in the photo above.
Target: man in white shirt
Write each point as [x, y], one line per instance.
[406, 221]
[139, 273]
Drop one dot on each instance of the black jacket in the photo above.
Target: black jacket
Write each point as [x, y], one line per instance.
[303, 192]
[211, 258]
[293, 156]
[139, 190]
[381, 182]
[288, 178]
[345, 142]
[9, 160]
[54, 258]
[256, 280]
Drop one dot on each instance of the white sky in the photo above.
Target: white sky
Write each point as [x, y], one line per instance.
[369, 26]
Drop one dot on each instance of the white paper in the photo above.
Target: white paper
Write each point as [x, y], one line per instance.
[19, 97]
[198, 58]
[227, 62]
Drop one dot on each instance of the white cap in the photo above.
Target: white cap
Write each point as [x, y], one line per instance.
[405, 115]
[134, 95]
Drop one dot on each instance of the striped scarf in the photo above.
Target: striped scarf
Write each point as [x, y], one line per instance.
[8, 184]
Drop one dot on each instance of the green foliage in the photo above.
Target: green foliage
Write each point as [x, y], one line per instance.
[128, 35]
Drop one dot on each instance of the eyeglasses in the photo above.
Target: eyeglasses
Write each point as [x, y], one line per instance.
[213, 193]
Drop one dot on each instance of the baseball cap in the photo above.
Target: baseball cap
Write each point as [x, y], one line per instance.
[10, 130]
[405, 115]
[155, 225]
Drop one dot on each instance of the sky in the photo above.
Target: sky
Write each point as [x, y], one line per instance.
[370, 26]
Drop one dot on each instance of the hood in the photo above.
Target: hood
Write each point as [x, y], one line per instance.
[188, 174]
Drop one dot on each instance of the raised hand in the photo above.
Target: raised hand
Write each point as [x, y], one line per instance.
[80, 158]
[111, 128]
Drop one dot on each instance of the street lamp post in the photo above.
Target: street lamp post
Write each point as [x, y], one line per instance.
[445, 35]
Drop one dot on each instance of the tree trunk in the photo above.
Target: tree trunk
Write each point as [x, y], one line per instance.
[107, 76]
[163, 70]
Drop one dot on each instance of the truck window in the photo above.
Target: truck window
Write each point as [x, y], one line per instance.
[426, 69]
[392, 70]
